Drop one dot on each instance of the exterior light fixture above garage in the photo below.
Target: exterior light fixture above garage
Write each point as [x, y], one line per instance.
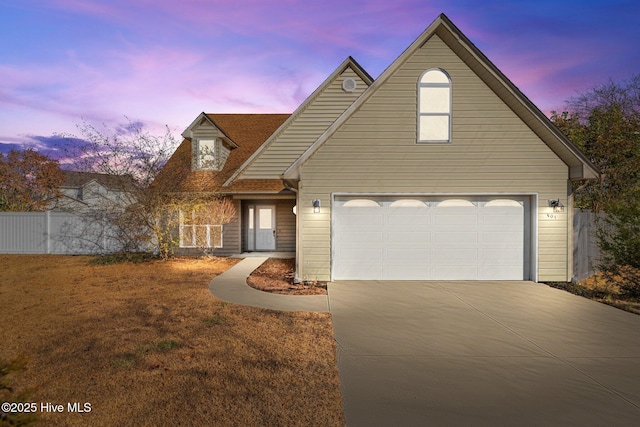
[556, 204]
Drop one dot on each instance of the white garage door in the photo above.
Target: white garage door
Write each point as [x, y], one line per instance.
[419, 238]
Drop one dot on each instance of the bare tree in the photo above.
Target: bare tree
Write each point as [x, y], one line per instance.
[150, 204]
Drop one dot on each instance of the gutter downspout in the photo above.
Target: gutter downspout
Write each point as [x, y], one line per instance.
[293, 186]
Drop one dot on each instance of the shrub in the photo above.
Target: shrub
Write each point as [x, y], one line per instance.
[619, 240]
[8, 394]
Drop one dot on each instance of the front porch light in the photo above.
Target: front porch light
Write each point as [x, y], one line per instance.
[556, 204]
[316, 206]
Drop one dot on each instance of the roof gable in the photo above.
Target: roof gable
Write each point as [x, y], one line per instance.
[206, 119]
[442, 27]
[306, 124]
[246, 131]
[76, 179]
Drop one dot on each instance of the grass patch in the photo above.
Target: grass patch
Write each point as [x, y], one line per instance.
[165, 345]
[152, 334]
[216, 319]
[119, 258]
[125, 361]
[161, 346]
[130, 360]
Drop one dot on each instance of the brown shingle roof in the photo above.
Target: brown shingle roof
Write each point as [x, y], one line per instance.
[248, 131]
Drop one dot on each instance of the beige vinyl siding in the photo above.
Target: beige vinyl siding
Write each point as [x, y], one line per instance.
[305, 128]
[492, 152]
[231, 234]
[285, 226]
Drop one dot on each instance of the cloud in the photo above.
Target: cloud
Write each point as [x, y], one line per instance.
[55, 147]
[165, 61]
[6, 147]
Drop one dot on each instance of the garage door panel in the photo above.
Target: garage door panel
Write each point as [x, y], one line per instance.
[407, 272]
[363, 221]
[409, 239]
[501, 240]
[361, 239]
[511, 221]
[362, 255]
[360, 263]
[499, 256]
[501, 272]
[411, 255]
[458, 257]
[408, 223]
[455, 239]
[402, 218]
[429, 239]
[455, 219]
[454, 272]
[356, 272]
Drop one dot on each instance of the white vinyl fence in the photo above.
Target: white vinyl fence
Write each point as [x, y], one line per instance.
[55, 233]
[586, 253]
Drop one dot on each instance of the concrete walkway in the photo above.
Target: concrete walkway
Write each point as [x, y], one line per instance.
[231, 286]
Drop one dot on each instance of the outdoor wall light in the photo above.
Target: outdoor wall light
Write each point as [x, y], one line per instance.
[556, 204]
[316, 206]
[295, 209]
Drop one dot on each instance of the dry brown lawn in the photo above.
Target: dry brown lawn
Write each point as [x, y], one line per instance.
[147, 344]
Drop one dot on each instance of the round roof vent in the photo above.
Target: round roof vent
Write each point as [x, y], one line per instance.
[349, 85]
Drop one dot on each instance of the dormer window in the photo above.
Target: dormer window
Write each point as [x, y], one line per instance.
[206, 154]
[434, 106]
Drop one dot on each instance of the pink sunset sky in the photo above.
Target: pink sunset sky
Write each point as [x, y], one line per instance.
[162, 62]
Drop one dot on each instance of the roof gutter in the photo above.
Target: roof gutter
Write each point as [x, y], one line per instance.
[290, 184]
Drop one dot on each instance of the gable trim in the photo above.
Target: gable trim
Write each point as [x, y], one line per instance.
[188, 132]
[347, 63]
[579, 166]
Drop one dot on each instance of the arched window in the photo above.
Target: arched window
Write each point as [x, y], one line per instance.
[434, 106]
[361, 203]
[408, 203]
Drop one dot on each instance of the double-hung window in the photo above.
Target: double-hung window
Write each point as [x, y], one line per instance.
[196, 232]
[434, 106]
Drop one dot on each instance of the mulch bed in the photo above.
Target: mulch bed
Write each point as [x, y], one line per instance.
[276, 276]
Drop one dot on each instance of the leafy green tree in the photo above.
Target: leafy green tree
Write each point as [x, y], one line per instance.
[604, 123]
[29, 181]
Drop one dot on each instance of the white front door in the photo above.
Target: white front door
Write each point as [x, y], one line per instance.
[265, 228]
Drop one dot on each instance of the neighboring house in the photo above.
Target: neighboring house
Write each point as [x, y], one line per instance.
[82, 191]
[440, 169]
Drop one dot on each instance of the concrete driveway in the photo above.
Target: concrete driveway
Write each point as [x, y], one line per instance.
[483, 354]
